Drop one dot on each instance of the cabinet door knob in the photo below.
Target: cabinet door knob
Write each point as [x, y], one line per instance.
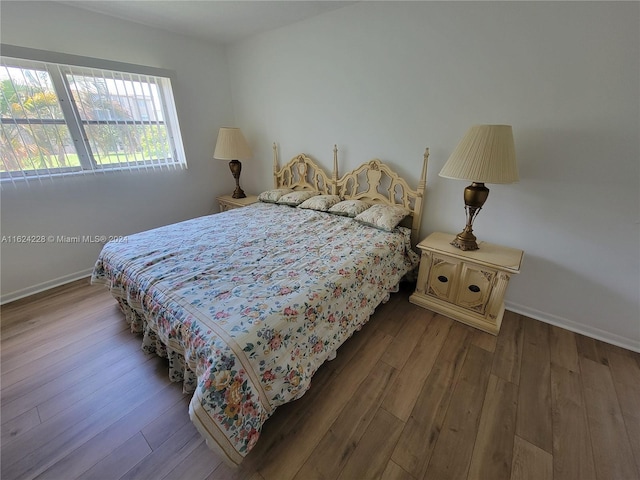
[474, 288]
[443, 279]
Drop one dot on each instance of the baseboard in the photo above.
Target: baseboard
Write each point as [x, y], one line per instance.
[41, 287]
[567, 324]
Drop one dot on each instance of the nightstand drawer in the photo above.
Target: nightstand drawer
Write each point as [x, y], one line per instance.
[227, 202]
[442, 277]
[475, 288]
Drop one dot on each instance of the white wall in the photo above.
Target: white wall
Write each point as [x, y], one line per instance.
[387, 79]
[116, 203]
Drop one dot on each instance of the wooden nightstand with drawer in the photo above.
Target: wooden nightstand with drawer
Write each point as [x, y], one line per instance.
[227, 202]
[468, 286]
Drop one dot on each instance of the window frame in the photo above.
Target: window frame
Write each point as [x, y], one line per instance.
[59, 66]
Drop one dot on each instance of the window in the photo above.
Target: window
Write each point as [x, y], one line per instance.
[65, 119]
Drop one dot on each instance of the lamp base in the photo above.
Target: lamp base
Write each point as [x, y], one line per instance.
[236, 168]
[474, 197]
[465, 240]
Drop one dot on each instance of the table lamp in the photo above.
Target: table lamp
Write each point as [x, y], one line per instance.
[231, 145]
[486, 154]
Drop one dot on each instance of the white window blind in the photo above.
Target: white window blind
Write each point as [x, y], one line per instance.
[60, 119]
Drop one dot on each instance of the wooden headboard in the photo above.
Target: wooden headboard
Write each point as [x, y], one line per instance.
[302, 173]
[373, 182]
[376, 182]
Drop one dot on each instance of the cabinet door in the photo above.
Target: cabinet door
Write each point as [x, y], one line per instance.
[442, 277]
[475, 287]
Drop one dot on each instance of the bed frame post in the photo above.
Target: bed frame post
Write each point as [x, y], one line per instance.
[417, 214]
[275, 165]
[423, 177]
[334, 177]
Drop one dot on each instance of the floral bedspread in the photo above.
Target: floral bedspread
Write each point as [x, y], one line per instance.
[247, 304]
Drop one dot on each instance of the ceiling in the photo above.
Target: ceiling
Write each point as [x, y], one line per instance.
[211, 20]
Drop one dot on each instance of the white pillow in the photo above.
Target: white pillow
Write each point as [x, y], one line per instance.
[349, 208]
[321, 203]
[384, 217]
[272, 196]
[296, 198]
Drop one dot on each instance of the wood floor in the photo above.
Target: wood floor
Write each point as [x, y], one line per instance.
[413, 395]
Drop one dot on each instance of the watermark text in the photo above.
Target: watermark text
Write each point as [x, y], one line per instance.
[64, 239]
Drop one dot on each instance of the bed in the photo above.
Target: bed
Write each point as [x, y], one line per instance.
[247, 304]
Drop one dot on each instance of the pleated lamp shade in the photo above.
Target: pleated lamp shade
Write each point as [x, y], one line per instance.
[231, 145]
[486, 154]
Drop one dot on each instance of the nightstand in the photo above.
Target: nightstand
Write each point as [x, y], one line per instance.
[227, 202]
[468, 286]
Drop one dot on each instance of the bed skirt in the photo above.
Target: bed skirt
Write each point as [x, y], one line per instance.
[181, 371]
